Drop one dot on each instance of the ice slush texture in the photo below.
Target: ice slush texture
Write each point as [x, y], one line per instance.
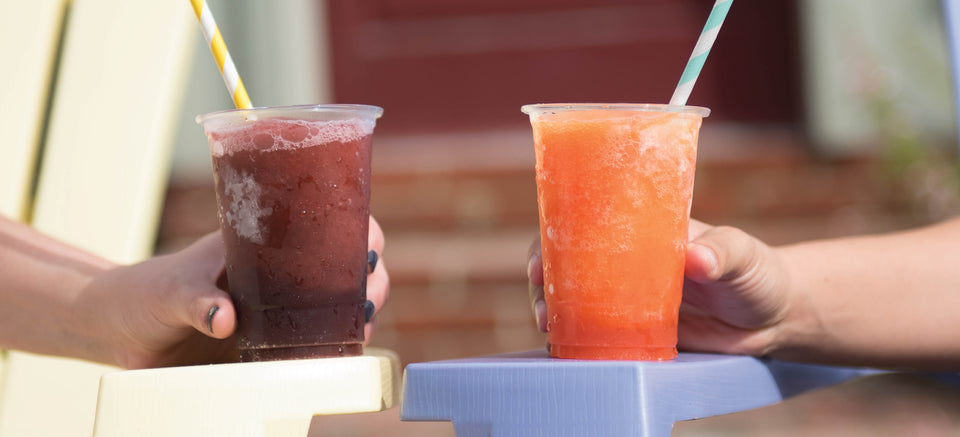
[614, 190]
[293, 199]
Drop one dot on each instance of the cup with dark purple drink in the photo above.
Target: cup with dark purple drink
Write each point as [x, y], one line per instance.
[293, 189]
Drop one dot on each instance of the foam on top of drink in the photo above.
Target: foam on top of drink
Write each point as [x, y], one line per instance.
[285, 134]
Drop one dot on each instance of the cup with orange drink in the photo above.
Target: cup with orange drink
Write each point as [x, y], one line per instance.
[614, 188]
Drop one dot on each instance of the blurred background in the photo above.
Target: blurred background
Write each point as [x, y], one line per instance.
[830, 118]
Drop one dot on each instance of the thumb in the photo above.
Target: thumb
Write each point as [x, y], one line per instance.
[722, 253]
[205, 255]
[210, 311]
[202, 299]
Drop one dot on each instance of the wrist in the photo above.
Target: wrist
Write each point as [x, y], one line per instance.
[87, 329]
[801, 328]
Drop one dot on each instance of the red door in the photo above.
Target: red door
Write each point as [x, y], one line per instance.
[439, 65]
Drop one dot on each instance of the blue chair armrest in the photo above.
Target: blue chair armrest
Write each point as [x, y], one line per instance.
[528, 393]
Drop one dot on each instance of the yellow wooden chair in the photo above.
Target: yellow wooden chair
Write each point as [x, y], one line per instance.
[89, 95]
[102, 113]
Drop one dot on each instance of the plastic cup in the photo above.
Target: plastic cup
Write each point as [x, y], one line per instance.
[293, 192]
[614, 188]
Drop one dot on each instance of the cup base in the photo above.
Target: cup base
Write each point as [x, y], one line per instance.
[301, 352]
[612, 353]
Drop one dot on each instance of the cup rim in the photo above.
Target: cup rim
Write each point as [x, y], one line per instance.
[640, 107]
[259, 112]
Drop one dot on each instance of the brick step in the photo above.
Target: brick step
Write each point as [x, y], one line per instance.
[448, 341]
[461, 209]
[467, 304]
[486, 180]
[452, 259]
[507, 197]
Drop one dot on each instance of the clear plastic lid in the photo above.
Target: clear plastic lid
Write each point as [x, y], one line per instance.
[541, 108]
[302, 112]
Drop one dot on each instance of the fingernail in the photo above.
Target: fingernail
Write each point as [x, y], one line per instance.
[372, 259]
[535, 276]
[210, 314]
[711, 257]
[368, 309]
[540, 310]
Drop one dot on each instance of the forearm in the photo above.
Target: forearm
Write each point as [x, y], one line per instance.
[891, 300]
[40, 280]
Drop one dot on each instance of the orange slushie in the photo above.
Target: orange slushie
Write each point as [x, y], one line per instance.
[614, 185]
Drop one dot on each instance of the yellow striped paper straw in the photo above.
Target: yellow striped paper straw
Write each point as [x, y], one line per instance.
[219, 49]
[700, 52]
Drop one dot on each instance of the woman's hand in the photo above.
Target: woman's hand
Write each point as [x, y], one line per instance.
[164, 311]
[169, 311]
[734, 294]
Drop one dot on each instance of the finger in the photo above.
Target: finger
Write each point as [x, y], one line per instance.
[378, 290]
[535, 285]
[201, 303]
[210, 311]
[534, 246]
[535, 264]
[540, 314]
[694, 332]
[375, 244]
[378, 280]
[376, 241]
[368, 331]
[722, 253]
[698, 331]
[535, 292]
[701, 264]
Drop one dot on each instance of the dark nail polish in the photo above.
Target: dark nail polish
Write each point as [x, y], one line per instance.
[368, 309]
[372, 259]
[210, 314]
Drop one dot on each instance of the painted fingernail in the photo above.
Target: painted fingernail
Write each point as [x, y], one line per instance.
[372, 259]
[210, 314]
[368, 309]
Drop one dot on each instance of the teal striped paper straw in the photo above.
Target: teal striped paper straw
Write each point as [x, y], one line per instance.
[700, 52]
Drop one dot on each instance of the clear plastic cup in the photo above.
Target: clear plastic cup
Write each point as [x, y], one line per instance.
[293, 191]
[614, 188]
